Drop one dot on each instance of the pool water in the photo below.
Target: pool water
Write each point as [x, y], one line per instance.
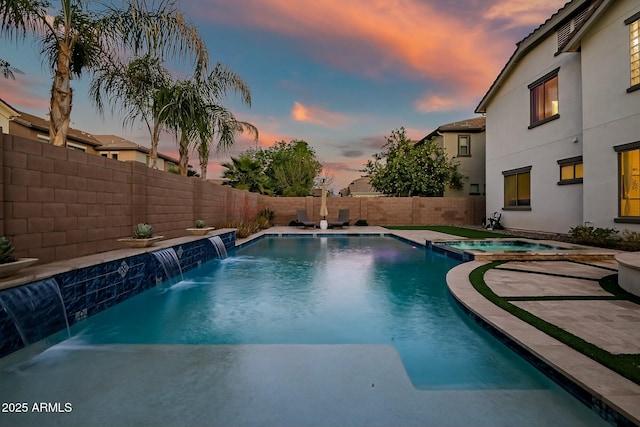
[498, 245]
[338, 290]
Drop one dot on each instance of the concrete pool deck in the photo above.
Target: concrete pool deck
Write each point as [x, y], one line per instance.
[363, 385]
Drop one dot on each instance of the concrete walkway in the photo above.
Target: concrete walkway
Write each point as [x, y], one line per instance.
[611, 325]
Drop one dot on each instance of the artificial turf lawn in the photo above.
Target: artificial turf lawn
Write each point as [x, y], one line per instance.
[627, 365]
[448, 229]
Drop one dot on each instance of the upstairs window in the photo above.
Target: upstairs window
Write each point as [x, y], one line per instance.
[544, 99]
[464, 145]
[634, 51]
[634, 45]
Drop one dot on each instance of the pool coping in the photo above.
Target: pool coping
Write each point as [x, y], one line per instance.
[609, 392]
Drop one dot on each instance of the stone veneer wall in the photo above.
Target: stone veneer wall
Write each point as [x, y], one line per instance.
[61, 204]
[87, 291]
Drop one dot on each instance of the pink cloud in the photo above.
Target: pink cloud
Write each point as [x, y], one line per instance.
[461, 52]
[18, 93]
[432, 102]
[316, 115]
[372, 38]
[520, 13]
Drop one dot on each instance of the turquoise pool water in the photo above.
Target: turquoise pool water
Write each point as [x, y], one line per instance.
[349, 290]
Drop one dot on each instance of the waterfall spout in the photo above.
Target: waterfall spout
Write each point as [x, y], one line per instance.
[170, 263]
[218, 244]
[37, 310]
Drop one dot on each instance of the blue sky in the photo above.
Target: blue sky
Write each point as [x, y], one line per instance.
[339, 74]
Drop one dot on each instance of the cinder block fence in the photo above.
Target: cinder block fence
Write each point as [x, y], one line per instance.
[60, 204]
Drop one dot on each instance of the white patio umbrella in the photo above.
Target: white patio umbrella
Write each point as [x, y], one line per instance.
[323, 207]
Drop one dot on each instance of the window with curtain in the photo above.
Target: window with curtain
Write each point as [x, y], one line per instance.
[544, 99]
[629, 183]
[517, 188]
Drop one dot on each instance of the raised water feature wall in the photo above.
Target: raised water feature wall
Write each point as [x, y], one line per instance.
[36, 310]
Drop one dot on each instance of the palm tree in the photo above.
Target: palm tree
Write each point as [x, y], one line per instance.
[78, 38]
[135, 86]
[223, 124]
[7, 70]
[182, 113]
[192, 109]
[247, 173]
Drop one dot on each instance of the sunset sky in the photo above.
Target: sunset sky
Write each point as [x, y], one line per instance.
[339, 74]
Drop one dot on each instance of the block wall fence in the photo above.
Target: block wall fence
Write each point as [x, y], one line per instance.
[60, 204]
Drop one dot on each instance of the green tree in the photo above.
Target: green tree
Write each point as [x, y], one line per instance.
[78, 37]
[246, 172]
[292, 168]
[406, 169]
[285, 169]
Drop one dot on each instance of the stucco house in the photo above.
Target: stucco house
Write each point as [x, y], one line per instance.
[19, 123]
[115, 147]
[361, 187]
[464, 142]
[563, 122]
[25, 125]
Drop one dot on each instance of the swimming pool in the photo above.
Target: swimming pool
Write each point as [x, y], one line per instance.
[320, 291]
[348, 290]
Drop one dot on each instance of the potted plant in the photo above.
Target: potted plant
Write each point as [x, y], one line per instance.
[200, 228]
[8, 263]
[142, 237]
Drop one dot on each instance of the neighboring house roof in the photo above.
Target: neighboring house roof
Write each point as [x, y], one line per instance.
[12, 111]
[37, 123]
[98, 142]
[473, 125]
[117, 143]
[593, 9]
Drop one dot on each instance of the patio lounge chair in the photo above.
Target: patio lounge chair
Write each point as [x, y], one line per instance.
[494, 222]
[343, 219]
[303, 220]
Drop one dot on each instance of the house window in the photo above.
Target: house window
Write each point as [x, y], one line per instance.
[474, 189]
[517, 189]
[629, 179]
[544, 99]
[634, 45]
[570, 170]
[104, 154]
[114, 156]
[75, 147]
[464, 145]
